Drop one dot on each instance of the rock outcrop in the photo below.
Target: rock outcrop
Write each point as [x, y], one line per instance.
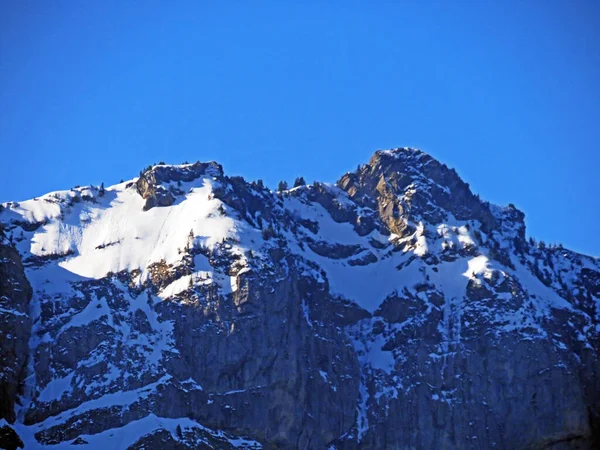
[160, 185]
[15, 328]
[9, 439]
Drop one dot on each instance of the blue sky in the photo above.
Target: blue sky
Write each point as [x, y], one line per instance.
[506, 92]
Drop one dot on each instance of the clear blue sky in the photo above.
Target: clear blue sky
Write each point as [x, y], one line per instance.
[507, 92]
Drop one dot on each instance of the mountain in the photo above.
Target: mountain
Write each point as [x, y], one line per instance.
[394, 310]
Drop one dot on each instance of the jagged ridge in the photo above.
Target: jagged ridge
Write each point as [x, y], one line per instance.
[345, 315]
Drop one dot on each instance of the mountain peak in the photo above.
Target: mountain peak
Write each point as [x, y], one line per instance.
[185, 171]
[161, 183]
[400, 153]
[406, 184]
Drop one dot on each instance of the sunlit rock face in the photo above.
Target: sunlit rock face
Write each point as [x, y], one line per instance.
[394, 309]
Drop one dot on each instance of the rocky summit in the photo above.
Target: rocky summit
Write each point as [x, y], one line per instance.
[395, 309]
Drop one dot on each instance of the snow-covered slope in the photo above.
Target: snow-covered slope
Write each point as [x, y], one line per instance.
[187, 308]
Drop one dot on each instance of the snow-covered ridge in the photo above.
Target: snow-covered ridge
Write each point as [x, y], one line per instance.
[98, 231]
[132, 280]
[101, 234]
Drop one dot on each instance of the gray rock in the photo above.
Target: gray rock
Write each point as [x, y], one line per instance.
[15, 329]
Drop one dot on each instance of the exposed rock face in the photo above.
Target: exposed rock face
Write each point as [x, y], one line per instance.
[15, 328]
[9, 439]
[409, 182]
[160, 184]
[190, 309]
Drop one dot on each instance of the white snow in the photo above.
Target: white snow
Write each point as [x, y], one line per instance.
[362, 419]
[122, 437]
[96, 309]
[421, 247]
[56, 388]
[546, 298]
[144, 237]
[477, 265]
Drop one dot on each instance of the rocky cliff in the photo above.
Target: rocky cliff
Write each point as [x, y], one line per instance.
[394, 309]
